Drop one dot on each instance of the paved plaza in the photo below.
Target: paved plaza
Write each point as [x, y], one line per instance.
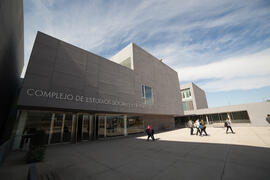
[175, 155]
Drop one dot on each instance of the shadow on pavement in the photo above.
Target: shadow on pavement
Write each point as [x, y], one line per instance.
[133, 158]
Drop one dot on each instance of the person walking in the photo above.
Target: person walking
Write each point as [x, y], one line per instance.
[203, 128]
[197, 126]
[150, 133]
[228, 124]
[190, 125]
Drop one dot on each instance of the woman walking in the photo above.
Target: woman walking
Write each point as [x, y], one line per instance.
[203, 127]
[228, 124]
[150, 133]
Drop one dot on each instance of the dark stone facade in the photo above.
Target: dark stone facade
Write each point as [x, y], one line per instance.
[11, 62]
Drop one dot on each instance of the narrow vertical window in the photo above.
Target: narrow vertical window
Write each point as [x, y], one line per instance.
[147, 95]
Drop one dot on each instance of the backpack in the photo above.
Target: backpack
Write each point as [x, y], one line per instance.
[225, 124]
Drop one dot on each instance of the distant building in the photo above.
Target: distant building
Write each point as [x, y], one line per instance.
[193, 97]
[195, 107]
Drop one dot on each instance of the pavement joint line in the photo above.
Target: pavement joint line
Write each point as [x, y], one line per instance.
[225, 161]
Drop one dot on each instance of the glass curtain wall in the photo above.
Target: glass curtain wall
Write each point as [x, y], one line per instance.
[135, 124]
[33, 121]
[58, 123]
[87, 125]
[56, 126]
[213, 118]
[114, 125]
[240, 117]
[101, 126]
[236, 117]
[67, 127]
[223, 116]
[111, 125]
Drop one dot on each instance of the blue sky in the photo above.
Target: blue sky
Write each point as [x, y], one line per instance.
[222, 46]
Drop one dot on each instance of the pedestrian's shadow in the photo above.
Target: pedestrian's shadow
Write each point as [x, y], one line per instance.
[156, 139]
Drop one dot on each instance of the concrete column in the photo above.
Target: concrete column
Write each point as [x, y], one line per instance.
[125, 125]
[228, 115]
[90, 126]
[73, 129]
[105, 125]
[207, 119]
[62, 128]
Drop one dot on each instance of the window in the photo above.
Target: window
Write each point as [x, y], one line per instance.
[240, 117]
[184, 106]
[134, 124]
[188, 105]
[147, 95]
[186, 93]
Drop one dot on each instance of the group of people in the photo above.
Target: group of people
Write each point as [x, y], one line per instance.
[198, 124]
[201, 127]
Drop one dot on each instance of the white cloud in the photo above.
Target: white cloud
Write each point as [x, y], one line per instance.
[236, 84]
[192, 37]
[245, 72]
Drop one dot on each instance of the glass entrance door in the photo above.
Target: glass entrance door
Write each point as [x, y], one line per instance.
[101, 126]
[57, 124]
[79, 127]
[114, 125]
[68, 128]
[84, 127]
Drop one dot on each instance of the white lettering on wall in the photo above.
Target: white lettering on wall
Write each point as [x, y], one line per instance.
[30, 92]
[78, 98]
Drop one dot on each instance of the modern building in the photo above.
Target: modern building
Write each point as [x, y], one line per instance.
[74, 95]
[11, 65]
[193, 97]
[254, 113]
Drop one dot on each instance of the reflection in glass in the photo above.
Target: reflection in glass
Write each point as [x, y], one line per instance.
[187, 105]
[67, 128]
[57, 127]
[36, 121]
[85, 127]
[240, 117]
[147, 95]
[186, 93]
[223, 116]
[115, 125]
[101, 125]
[134, 124]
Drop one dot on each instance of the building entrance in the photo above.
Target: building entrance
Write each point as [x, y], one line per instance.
[60, 127]
[85, 127]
